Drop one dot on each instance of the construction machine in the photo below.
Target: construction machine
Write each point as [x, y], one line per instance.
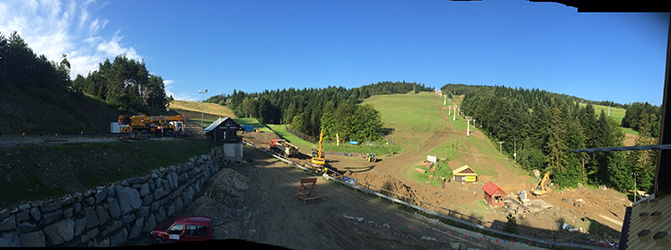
[540, 188]
[370, 157]
[142, 127]
[318, 160]
[283, 147]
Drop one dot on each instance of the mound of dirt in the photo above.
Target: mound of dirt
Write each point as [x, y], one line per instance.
[227, 187]
[386, 184]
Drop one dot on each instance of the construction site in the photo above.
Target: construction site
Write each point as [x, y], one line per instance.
[281, 194]
[577, 215]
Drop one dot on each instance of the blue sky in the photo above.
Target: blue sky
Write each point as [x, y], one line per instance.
[257, 45]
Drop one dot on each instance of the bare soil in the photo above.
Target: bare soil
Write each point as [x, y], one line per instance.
[257, 202]
[599, 217]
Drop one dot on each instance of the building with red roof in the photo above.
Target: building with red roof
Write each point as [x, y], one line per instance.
[493, 194]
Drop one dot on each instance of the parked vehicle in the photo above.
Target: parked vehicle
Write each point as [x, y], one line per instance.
[283, 147]
[185, 228]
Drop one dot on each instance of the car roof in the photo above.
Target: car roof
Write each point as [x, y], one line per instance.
[197, 219]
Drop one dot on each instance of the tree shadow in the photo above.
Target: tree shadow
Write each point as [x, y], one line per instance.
[387, 131]
[359, 169]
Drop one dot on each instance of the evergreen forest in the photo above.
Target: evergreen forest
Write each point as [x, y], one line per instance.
[539, 129]
[310, 111]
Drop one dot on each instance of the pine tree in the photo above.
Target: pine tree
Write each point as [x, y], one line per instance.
[328, 121]
[555, 146]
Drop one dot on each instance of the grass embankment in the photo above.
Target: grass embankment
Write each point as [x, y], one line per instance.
[418, 119]
[35, 114]
[197, 111]
[39, 172]
[413, 117]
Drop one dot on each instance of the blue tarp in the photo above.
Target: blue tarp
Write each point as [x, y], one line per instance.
[348, 180]
[249, 128]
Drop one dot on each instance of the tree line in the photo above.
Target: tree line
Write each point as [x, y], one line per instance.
[542, 127]
[333, 110]
[23, 70]
[124, 83]
[643, 117]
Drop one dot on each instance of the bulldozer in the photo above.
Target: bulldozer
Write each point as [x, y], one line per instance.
[540, 188]
[370, 157]
[283, 147]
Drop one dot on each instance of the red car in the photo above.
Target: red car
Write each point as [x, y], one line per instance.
[185, 228]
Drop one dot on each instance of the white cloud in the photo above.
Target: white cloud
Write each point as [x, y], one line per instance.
[178, 96]
[54, 28]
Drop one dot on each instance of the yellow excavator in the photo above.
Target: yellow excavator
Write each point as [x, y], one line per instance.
[318, 160]
[540, 189]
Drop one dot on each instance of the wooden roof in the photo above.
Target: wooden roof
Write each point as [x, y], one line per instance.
[220, 121]
[490, 188]
[464, 170]
[649, 225]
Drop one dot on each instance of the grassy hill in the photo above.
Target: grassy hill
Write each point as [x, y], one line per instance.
[197, 111]
[416, 117]
[616, 113]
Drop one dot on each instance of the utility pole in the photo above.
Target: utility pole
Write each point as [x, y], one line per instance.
[202, 114]
[468, 126]
[445, 100]
[392, 133]
[635, 192]
[515, 149]
[500, 144]
[455, 113]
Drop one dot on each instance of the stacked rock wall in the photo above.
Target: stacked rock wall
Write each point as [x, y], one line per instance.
[111, 215]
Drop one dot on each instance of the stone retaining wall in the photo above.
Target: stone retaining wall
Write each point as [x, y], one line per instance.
[108, 216]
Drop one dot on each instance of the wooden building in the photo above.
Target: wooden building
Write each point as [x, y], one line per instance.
[224, 132]
[493, 194]
[464, 174]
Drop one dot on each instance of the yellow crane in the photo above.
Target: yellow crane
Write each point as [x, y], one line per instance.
[141, 126]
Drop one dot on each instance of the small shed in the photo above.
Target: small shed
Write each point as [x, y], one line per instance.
[464, 174]
[223, 132]
[493, 194]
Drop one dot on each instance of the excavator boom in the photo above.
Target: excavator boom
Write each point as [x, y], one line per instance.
[319, 159]
[540, 189]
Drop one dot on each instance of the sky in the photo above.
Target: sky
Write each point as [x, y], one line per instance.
[259, 45]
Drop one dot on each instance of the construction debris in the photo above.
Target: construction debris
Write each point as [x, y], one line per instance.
[427, 164]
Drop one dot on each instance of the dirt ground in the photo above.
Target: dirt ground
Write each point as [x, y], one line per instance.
[600, 215]
[257, 202]
[595, 214]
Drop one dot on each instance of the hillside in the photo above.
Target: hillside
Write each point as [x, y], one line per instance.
[422, 126]
[429, 129]
[34, 116]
